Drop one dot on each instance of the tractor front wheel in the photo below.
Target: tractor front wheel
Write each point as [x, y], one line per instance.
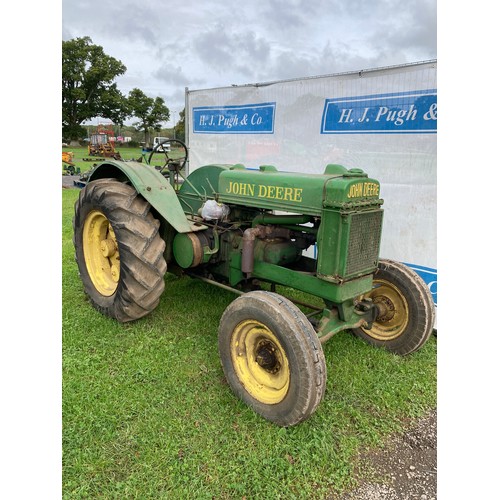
[406, 309]
[272, 358]
[118, 250]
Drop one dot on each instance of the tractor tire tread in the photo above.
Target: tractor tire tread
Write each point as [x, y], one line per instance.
[302, 346]
[421, 315]
[142, 265]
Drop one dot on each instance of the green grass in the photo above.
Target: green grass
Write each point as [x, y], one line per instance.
[125, 152]
[81, 152]
[147, 412]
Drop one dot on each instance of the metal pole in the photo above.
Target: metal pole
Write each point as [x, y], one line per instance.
[186, 126]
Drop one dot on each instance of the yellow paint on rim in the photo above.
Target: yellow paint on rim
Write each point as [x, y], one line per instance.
[394, 311]
[260, 362]
[100, 250]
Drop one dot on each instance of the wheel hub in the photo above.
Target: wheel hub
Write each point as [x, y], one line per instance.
[266, 357]
[260, 362]
[386, 309]
[393, 311]
[102, 257]
[108, 247]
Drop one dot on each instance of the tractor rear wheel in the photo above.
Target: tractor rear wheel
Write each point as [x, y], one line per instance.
[406, 309]
[272, 358]
[118, 250]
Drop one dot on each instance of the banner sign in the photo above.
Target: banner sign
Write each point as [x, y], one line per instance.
[396, 113]
[382, 120]
[245, 119]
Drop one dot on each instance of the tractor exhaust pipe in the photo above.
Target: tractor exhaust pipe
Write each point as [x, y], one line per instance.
[249, 235]
[248, 247]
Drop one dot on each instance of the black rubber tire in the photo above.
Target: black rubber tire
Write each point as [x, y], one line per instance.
[416, 312]
[141, 262]
[300, 344]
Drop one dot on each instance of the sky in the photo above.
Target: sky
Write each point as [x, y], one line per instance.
[168, 46]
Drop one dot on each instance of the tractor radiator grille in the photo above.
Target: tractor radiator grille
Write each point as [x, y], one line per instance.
[364, 242]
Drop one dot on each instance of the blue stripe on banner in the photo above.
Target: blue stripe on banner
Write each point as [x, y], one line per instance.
[244, 119]
[429, 275]
[396, 113]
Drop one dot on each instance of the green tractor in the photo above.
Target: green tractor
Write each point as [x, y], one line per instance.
[239, 229]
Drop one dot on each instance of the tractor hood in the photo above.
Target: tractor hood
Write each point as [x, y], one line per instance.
[308, 194]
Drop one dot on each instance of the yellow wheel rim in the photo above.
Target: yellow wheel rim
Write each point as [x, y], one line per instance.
[260, 362]
[394, 315]
[100, 250]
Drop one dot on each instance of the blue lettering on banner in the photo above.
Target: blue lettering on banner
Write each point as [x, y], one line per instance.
[429, 276]
[244, 119]
[398, 113]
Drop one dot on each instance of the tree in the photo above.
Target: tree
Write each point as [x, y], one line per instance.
[150, 112]
[88, 87]
[180, 127]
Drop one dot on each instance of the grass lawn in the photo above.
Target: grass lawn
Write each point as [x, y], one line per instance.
[147, 412]
[126, 153]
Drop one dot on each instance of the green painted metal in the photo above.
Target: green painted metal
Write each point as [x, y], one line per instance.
[153, 187]
[295, 192]
[339, 318]
[201, 185]
[183, 250]
[272, 190]
[333, 292]
[330, 322]
[193, 249]
[284, 220]
[348, 243]
[339, 210]
[278, 252]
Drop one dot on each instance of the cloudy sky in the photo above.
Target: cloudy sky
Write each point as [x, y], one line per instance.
[168, 46]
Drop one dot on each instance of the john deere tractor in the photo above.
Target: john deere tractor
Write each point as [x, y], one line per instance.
[241, 229]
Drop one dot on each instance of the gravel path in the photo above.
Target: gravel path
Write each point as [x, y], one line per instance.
[405, 468]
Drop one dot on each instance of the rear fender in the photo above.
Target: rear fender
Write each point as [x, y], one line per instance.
[152, 186]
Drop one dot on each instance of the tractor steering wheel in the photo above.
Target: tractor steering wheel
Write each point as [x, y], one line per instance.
[174, 160]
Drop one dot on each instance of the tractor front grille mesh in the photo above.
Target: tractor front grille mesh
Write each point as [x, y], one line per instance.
[364, 242]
